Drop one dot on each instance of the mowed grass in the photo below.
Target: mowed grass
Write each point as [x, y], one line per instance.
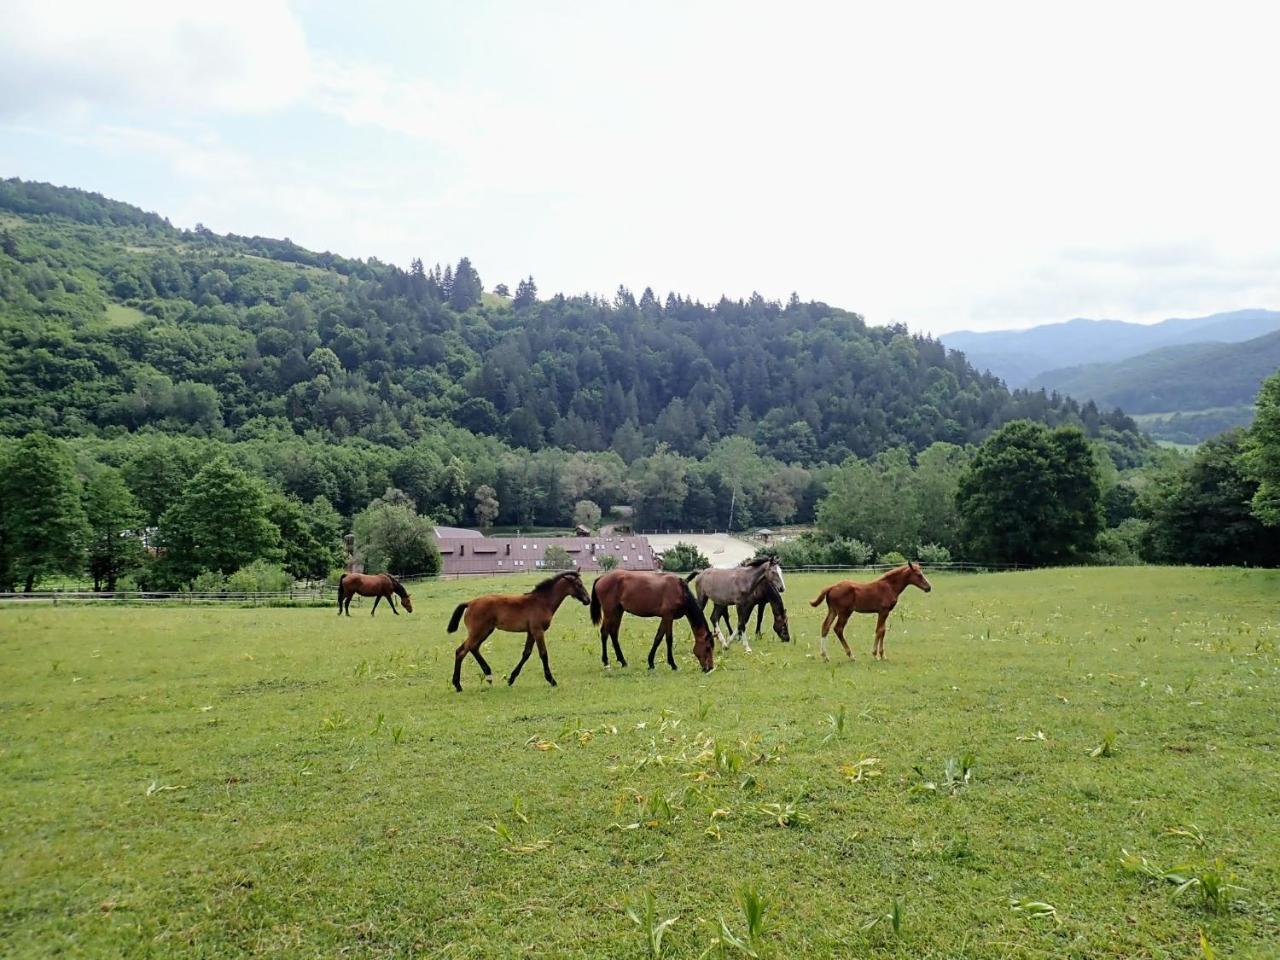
[220, 782]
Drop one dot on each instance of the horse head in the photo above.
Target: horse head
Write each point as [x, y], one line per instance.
[577, 589]
[916, 577]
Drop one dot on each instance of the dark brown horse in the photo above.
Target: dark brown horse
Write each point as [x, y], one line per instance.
[646, 594]
[764, 594]
[878, 597]
[528, 613]
[376, 585]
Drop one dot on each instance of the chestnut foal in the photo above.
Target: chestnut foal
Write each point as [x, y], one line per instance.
[528, 613]
[878, 597]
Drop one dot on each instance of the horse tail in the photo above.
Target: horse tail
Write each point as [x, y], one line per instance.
[816, 601]
[457, 615]
[595, 604]
[691, 577]
[340, 579]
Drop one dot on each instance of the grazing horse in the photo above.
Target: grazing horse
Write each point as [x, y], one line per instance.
[528, 613]
[646, 594]
[376, 585]
[765, 594]
[734, 585]
[878, 597]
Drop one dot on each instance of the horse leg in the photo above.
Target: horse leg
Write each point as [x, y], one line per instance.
[458, 656]
[671, 659]
[392, 601]
[375, 604]
[657, 639]
[826, 626]
[743, 617]
[528, 648]
[540, 639]
[617, 648]
[878, 650]
[721, 615]
[840, 622]
[475, 652]
[759, 616]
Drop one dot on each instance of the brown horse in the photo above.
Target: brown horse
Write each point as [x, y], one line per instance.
[376, 585]
[878, 597]
[528, 613]
[646, 594]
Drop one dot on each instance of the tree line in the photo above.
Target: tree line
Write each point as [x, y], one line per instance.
[174, 513]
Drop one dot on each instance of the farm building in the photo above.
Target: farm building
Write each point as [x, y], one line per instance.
[474, 554]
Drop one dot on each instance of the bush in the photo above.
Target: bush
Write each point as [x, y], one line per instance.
[810, 550]
[607, 562]
[1120, 546]
[209, 581]
[683, 558]
[846, 552]
[933, 553]
[893, 557]
[260, 577]
[557, 558]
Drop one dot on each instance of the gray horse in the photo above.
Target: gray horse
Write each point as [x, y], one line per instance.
[734, 586]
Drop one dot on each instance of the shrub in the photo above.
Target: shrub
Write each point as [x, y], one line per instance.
[893, 557]
[933, 553]
[683, 557]
[259, 577]
[209, 581]
[607, 562]
[557, 558]
[1120, 545]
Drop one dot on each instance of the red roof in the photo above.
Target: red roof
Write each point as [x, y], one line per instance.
[525, 554]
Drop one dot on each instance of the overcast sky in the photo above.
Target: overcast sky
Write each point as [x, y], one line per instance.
[945, 165]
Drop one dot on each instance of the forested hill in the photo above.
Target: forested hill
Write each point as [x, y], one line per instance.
[1192, 376]
[114, 319]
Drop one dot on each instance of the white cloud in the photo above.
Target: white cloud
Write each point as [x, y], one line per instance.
[994, 164]
[234, 56]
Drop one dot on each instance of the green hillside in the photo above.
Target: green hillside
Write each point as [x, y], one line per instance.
[1214, 381]
[116, 325]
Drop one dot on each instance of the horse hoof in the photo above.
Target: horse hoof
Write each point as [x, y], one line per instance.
[553, 683]
[510, 681]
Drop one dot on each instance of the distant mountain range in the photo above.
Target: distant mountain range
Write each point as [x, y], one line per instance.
[1020, 357]
[1190, 376]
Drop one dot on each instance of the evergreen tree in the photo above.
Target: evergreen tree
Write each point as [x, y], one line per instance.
[526, 293]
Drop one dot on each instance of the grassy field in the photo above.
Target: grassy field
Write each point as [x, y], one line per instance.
[218, 782]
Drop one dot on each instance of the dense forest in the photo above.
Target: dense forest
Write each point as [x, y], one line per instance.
[113, 321]
[334, 392]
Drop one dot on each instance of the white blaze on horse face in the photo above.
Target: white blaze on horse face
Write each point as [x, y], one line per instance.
[779, 581]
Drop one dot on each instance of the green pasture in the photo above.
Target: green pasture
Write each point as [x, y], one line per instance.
[221, 782]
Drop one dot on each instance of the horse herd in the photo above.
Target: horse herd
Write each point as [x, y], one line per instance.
[751, 587]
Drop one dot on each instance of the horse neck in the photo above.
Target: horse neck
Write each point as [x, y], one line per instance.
[897, 580]
[559, 593]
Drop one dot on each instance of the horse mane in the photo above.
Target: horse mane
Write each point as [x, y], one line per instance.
[550, 582]
[757, 561]
[691, 609]
[395, 585]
